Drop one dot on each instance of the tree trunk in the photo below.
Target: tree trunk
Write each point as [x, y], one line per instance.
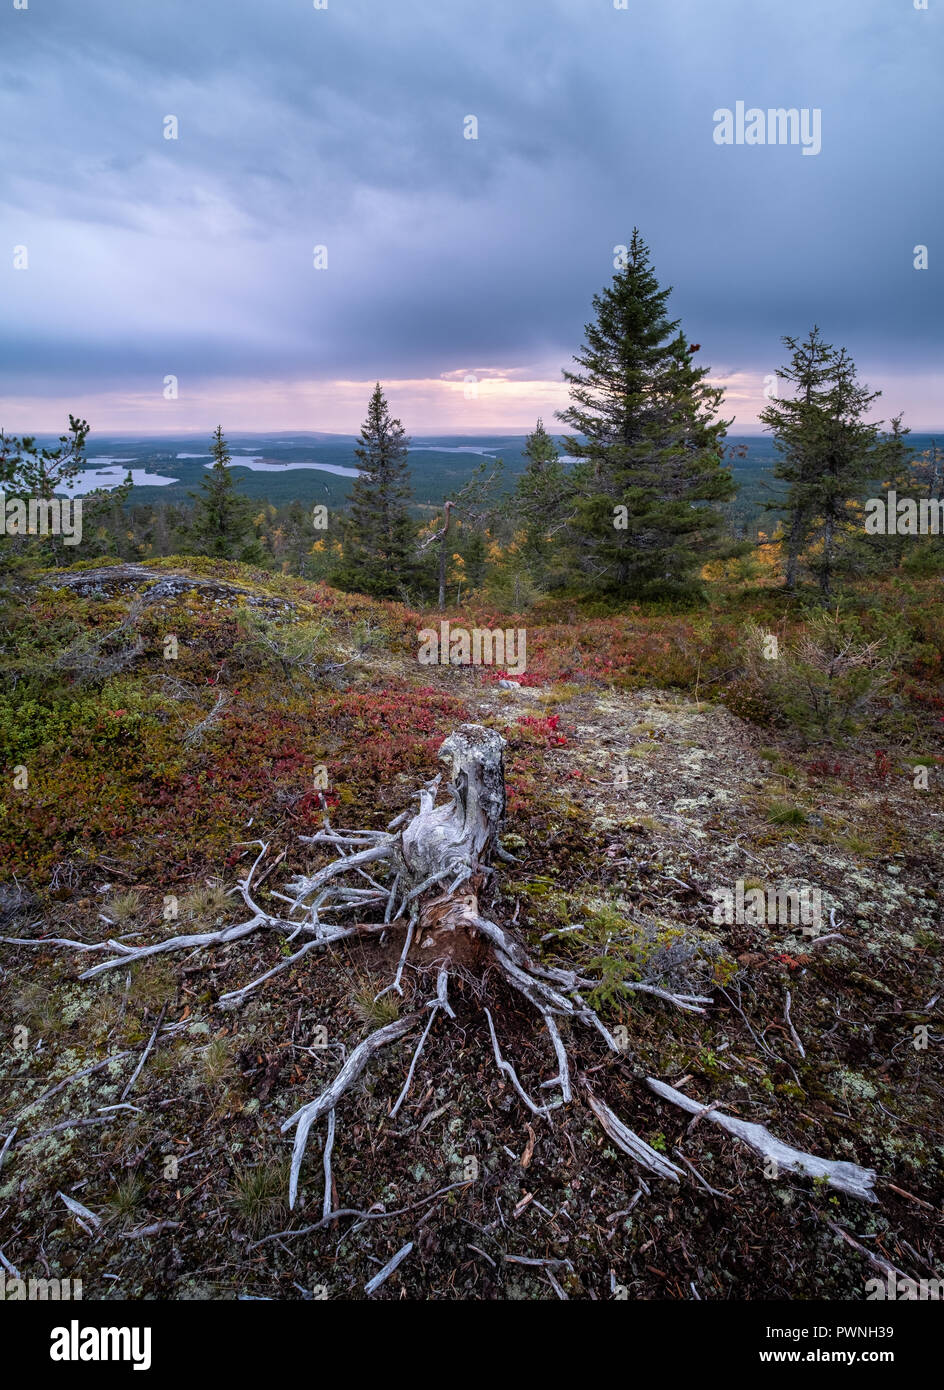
[442, 560]
[452, 845]
[794, 545]
[826, 573]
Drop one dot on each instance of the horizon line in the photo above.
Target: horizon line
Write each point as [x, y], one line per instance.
[478, 432]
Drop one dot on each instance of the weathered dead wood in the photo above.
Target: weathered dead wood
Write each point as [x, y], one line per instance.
[81, 1214]
[847, 1177]
[373, 1284]
[355, 1064]
[630, 1143]
[153, 1230]
[881, 1266]
[424, 876]
[463, 833]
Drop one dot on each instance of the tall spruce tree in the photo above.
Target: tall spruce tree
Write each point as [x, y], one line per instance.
[794, 420]
[828, 451]
[896, 469]
[650, 458]
[379, 540]
[222, 524]
[540, 507]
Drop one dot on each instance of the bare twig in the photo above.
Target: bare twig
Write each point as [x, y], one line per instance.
[373, 1284]
[508, 1070]
[416, 1055]
[789, 1023]
[145, 1055]
[326, 1162]
[361, 1215]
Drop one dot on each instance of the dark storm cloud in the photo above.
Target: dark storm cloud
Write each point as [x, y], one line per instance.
[344, 127]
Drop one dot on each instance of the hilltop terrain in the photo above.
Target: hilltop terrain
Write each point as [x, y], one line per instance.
[646, 768]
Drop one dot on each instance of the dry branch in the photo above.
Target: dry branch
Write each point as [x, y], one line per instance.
[643, 1153]
[847, 1177]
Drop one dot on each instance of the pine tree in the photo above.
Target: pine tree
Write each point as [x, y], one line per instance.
[829, 452]
[222, 524]
[651, 453]
[795, 421]
[29, 470]
[542, 499]
[379, 541]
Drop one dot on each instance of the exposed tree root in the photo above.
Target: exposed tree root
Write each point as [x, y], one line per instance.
[631, 1144]
[847, 1177]
[355, 1064]
[424, 876]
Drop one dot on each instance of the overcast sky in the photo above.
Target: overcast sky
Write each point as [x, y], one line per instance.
[147, 257]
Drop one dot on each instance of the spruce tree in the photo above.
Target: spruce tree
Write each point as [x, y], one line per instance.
[221, 525]
[795, 421]
[651, 456]
[380, 537]
[828, 450]
[897, 469]
[540, 507]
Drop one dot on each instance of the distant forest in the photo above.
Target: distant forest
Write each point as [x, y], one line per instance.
[641, 495]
